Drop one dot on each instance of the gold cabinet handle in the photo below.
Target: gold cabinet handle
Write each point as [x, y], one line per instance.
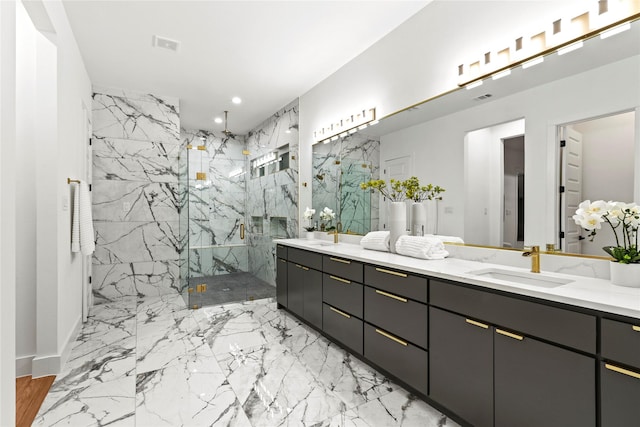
[282, 260]
[341, 280]
[475, 323]
[241, 231]
[341, 313]
[304, 268]
[622, 371]
[386, 294]
[510, 335]
[344, 261]
[280, 247]
[635, 328]
[394, 273]
[391, 337]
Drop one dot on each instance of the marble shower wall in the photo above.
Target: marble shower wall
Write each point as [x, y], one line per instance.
[215, 204]
[272, 200]
[338, 169]
[136, 141]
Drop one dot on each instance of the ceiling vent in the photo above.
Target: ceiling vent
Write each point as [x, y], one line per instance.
[482, 97]
[166, 43]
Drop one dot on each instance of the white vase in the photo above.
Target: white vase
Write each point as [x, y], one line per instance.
[625, 274]
[310, 235]
[431, 217]
[418, 219]
[397, 223]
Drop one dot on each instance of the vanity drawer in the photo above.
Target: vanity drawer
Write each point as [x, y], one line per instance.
[342, 327]
[397, 282]
[400, 316]
[306, 258]
[402, 359]
[621, 341]
[281, 251]
[343, 294]
[559, 325]
[345, 268]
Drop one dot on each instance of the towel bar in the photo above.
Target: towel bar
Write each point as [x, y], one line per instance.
[69, 180]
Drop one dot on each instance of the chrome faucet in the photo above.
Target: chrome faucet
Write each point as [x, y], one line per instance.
[534, 253]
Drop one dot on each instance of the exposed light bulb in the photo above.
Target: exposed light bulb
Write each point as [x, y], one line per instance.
[570, 48]
[534, 61]
[615, 30]
[218, 120]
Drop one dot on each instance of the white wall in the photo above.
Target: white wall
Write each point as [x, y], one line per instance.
[51, 134]
[7, 211]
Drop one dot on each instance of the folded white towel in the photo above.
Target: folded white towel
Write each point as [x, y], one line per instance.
[82, 238]
[446, 239]
[376, 240]
[422, 247]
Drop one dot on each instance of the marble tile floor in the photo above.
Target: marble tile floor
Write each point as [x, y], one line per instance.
[152, 362]
[232, 287]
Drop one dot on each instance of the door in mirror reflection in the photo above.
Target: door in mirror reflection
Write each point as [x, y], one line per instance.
[597, 162]
[494, 185]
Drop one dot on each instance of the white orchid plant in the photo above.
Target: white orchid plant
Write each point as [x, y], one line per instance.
[623, 218]
[327, 215]
[308, 215]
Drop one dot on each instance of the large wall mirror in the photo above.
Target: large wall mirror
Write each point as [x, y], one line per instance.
[499, 201]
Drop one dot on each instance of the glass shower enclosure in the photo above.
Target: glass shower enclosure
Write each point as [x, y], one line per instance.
[214, 256]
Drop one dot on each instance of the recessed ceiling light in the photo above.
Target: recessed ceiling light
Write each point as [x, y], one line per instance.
[218, 120]
[236, 100]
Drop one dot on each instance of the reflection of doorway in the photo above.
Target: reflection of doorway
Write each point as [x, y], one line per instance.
[607, 173]
[494, 185]
[513, 175]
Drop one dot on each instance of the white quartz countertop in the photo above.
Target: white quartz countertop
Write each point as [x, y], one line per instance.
[597, 294]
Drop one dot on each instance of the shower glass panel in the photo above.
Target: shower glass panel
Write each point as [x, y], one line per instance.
[355, 204]
[216, 253]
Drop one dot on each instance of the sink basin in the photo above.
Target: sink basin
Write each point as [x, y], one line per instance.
[321, 243]
[521, 277]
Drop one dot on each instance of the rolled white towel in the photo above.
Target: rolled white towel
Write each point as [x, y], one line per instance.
[446, 239]
[422, 247]
[376, 240]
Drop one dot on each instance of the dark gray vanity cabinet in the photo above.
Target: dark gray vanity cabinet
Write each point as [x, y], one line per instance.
[461, 366]
[304, 285]
[535, 382]
[396, 324]
[343, 301]
[620, 373]
[281, 275]
[538, 384]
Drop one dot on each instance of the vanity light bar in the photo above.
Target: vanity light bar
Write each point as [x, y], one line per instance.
[605, 23]
[344, 127]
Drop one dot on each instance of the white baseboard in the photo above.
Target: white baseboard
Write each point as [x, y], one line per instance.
[52, 364]
[24, 366]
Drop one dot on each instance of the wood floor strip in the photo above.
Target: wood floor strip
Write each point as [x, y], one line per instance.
[30, 394]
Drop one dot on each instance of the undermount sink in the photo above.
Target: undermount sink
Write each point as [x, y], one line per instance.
[321, 243]
[521, 277]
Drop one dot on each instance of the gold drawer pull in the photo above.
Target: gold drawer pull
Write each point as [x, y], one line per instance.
[386, 294]
[622, 371]
[344, 261]
[394, 273]
[304, 268]
[635, 328]
[283, 260]
[510, 335]
[391, 337]
[341, 280]
[474, 323]
[341, 313]
[280, 247]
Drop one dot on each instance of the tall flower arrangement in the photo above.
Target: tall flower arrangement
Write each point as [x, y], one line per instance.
[327, 215]
[623, 218]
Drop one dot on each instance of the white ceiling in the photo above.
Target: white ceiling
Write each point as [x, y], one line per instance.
[266, 52]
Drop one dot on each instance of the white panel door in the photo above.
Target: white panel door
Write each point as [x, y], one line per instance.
[572, 196]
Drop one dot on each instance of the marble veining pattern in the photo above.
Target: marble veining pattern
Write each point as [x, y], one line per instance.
[136, 204]
[149, 361]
